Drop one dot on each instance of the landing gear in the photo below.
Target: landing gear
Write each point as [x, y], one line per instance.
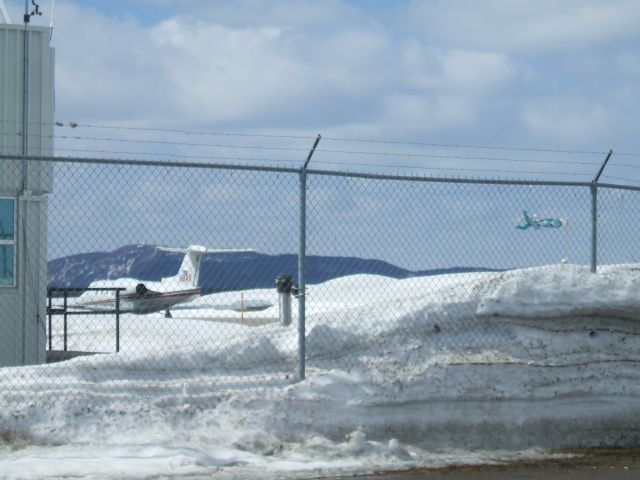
[167, 314]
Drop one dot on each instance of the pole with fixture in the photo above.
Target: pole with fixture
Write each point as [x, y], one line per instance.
[301, 262]
[594, 214]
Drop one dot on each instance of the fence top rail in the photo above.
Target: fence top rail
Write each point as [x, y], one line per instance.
[147, 163]
[334, 173]
[411, 178]
[618, 187]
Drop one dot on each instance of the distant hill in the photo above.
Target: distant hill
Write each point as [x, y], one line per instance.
[219, 271]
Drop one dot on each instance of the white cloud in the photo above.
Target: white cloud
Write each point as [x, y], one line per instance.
[566, 119]
[494, 69]
[449, 70]
[215, 74]
[424, 113]
[186, 70]
[189, 70]
[104, 67]
[468, 70]
[519, 25]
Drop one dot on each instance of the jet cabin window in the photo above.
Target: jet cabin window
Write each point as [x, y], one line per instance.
[7, 241]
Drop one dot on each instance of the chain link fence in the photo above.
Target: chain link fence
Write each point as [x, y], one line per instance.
[384, 256]
[431, 234]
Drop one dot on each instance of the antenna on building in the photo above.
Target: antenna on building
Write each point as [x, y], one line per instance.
[53, 7]
[25, 89]
[4, 15]
[35, 11]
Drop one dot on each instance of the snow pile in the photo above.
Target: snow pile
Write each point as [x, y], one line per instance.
[468, 368]
[567, 291]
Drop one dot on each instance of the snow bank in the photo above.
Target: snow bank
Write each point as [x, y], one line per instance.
[469, 368]
[566, 290]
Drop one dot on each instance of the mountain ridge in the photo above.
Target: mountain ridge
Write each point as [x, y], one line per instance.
[220, 270]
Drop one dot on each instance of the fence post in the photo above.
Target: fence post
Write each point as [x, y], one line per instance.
[49, 293]
[594, 214]
[302, 255]
[117, 320]
[301, 286]
[65, 322]
[594, 226]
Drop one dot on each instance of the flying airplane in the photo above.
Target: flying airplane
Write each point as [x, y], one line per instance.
[167, 294]
[536, 222]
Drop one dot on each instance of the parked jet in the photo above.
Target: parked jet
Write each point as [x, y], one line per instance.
[147, 297]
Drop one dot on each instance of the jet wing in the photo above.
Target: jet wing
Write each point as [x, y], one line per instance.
[245, 306]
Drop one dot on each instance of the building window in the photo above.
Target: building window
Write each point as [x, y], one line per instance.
[7, 241]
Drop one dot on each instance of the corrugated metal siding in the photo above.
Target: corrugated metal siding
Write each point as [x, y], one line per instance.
[41, 109]
[22, 307]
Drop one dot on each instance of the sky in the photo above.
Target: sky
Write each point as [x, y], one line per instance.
[489, 89]
[546, 74]
[422, 372]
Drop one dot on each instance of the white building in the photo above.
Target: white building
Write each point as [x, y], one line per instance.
[23, 189]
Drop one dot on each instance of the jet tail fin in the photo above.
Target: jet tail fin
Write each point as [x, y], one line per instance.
[189, 273]
[528, 222]
[187, 276]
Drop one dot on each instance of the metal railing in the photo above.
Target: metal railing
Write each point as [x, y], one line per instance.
[53, 310]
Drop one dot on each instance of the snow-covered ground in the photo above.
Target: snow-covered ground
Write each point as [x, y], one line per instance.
[430, 371]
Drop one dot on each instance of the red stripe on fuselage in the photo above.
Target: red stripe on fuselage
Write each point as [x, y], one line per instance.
[149, 295]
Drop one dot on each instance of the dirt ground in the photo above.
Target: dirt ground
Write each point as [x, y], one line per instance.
[601, 464]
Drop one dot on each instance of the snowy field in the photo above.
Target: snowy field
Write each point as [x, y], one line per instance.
[432, 371]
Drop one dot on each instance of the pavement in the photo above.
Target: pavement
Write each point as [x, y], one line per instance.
[591, 464]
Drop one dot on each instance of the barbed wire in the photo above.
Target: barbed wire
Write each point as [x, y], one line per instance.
[468, 146]
[169, 155]
[620, 178]
[341, 152]
[175, 155]
[317, 162]
[465, 170]
[461, 170]
[625, 165]
[182, 144]
[455, 157]
[74, 125]
[328, 138]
